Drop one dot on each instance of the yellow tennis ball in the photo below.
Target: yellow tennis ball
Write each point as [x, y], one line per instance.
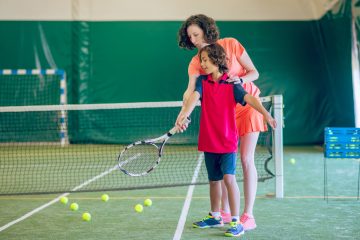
[148, 202]
[86, 216]
[74, 206]
[105, 197]
[138, 208]
[64, 200]
[292, 161]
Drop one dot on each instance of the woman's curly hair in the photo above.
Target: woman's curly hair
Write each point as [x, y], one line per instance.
[207, 24]
[217, 56]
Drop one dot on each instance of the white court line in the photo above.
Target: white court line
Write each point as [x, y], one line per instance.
[29, 214]
[32, 212]
[185, 209]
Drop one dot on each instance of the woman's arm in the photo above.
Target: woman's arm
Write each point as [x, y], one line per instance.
[190, 88]
[251, 72]
[256, 104]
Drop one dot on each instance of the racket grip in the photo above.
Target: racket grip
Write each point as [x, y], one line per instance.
[187, 120]
[175, 129]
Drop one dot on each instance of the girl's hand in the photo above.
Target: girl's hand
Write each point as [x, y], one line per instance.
[181, 122]
[270, 120]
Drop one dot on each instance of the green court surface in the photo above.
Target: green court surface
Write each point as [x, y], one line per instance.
[36, 168]
[302, 214]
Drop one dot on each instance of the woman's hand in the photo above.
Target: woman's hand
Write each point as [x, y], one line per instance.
[233, 79]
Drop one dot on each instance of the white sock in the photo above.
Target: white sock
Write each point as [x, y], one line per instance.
[216, 214]
[236, 217]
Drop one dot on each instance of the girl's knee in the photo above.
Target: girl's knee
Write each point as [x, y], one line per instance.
[214, 183]
[229, 179]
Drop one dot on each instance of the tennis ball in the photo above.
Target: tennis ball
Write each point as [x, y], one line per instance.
[74, 206]
[86, 216]
[105, 197]
[64, 200]
[292, 160]
[148, 202]
[138, 208]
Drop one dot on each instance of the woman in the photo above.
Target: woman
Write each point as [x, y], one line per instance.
[196, 32]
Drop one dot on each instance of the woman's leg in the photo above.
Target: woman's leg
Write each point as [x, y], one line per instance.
[247, 154]
[224, 198]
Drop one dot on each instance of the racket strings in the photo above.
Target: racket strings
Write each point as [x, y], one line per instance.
[139, 158]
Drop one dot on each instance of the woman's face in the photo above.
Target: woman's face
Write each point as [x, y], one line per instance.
[196, 36]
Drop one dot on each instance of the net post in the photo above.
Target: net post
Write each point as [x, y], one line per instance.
[64, 140]
[277, 146]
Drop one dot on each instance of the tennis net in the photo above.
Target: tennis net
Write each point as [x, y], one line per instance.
[69, 148]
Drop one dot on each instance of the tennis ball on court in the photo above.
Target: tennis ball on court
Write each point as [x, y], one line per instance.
[138, 208]
[148, 202]
[86, 216]
[74, 206]
[64, 200]
[292, 160]
[105, 197]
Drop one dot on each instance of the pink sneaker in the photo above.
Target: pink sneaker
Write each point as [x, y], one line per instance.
[248, 222]
[226, 216]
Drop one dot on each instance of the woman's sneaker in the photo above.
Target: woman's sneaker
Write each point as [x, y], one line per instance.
[226, 216]
[248, 222]
[235, 230]
[209, 222]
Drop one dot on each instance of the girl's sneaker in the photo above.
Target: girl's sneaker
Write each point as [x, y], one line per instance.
[209, 222]
[235, 230]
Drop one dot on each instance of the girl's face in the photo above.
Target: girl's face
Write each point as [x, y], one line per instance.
[196, 36]
[207, 65]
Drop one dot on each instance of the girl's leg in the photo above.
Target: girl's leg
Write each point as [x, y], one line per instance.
[247, 154]
[215, 195]
[233, 193]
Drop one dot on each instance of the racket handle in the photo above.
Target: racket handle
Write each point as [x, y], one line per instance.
[175, 129]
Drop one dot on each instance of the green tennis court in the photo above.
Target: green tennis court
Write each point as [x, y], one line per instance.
[302, 214]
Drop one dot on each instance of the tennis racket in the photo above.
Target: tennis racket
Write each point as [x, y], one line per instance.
[141, 157]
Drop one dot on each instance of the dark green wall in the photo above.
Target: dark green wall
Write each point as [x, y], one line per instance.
[308, 62]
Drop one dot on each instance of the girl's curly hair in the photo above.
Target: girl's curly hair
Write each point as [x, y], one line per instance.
[217, 56]
[207, 24]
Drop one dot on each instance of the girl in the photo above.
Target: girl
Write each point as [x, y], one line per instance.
[218, 137]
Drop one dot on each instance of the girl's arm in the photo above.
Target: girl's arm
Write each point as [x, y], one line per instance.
[256, 104]
[189, 91]
[187, 109]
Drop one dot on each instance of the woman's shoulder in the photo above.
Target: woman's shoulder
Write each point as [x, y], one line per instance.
[195, 59]
[227, 41]
[232, 45]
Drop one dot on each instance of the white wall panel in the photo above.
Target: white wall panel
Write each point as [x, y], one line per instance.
[162, 10]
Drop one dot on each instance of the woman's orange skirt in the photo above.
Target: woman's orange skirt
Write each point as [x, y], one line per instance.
[247, 118]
